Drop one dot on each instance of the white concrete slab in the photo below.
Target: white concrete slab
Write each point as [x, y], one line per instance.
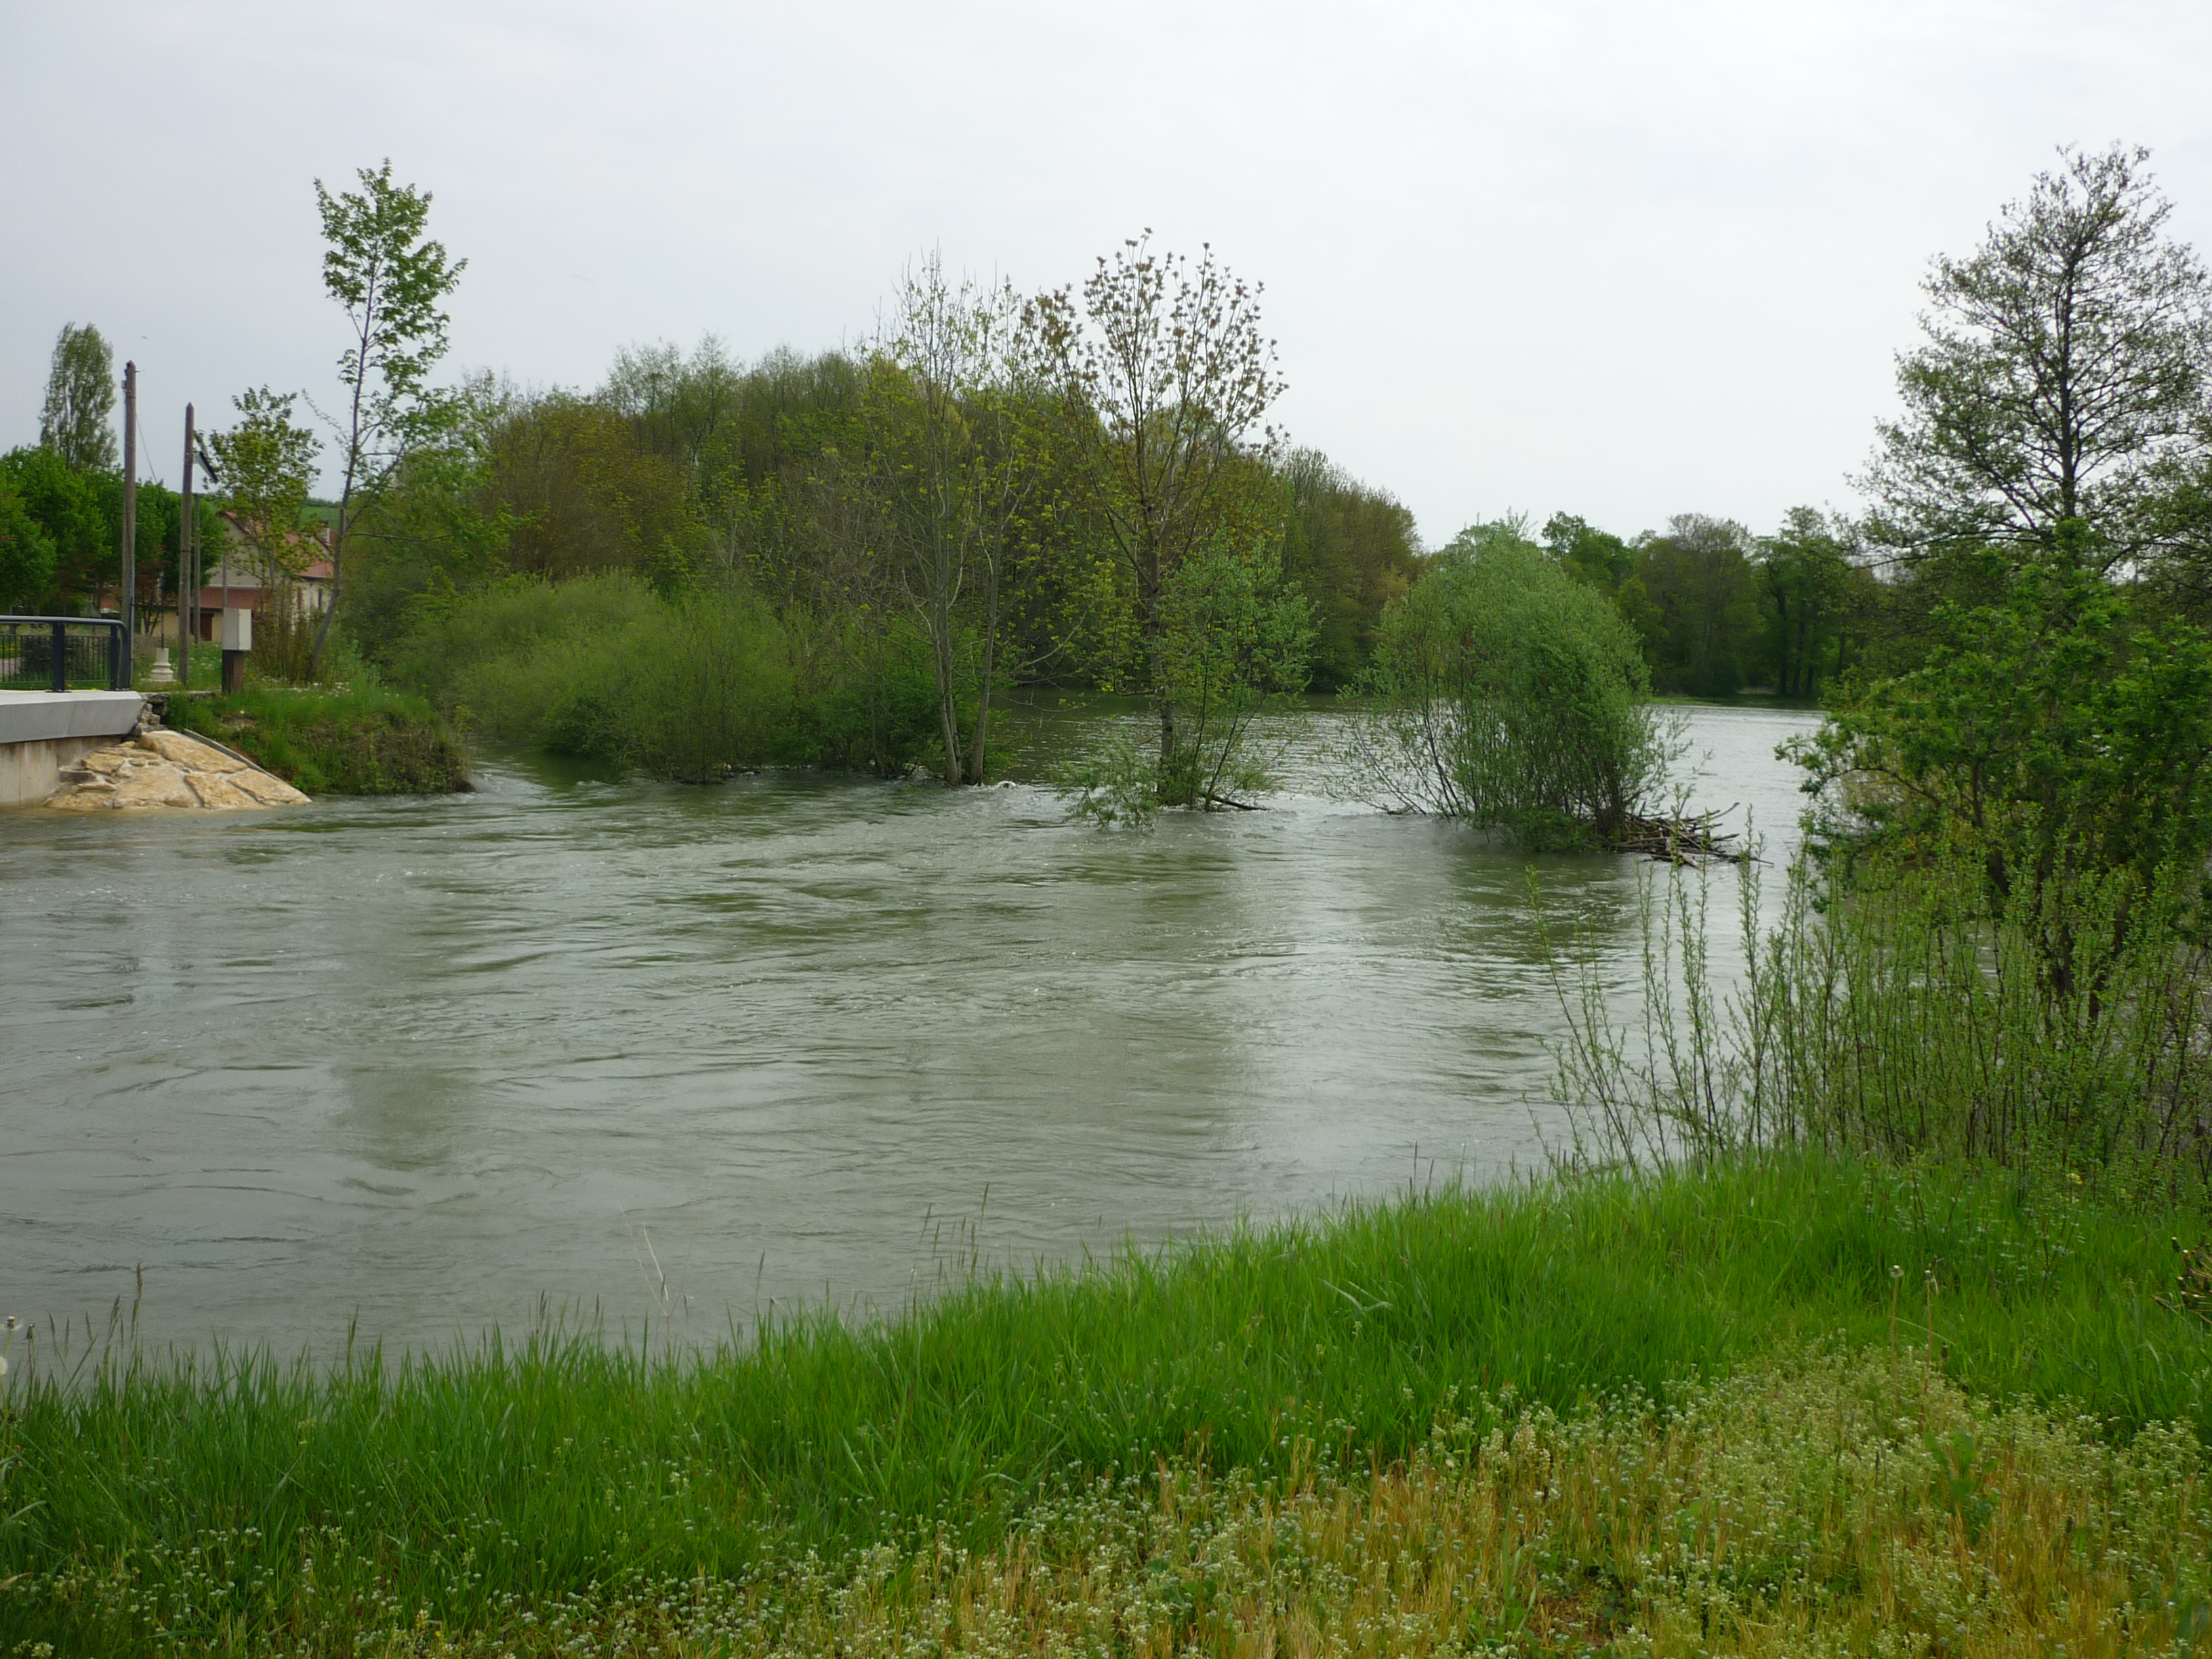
[46, 716]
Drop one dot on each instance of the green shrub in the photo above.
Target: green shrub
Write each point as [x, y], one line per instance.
[691, 686]
[361, 739]
[1505, 693]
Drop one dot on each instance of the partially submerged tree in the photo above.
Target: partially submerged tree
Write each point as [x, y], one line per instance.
[2064, 378]
[1168, 375]
[76, 421]
[1234, 639]
[1506, 693]
[390, 282]
[950, 472]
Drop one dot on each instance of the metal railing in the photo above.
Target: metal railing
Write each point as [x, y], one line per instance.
[53, 653]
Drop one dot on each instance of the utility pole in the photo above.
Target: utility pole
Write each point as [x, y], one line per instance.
[188, 586]
[129, 520]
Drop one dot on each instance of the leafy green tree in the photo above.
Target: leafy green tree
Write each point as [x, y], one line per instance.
[264, 464]
[950, 473]
[27, 555]
[390, 282]
[1810, 584]
[2059, 737]
[68, 505]
[579, 495]
[1703, 611]
[1167, 373]
[77, 421]
[1235, 638]
[1510, 694]
[2062, 380]
[1591, 554]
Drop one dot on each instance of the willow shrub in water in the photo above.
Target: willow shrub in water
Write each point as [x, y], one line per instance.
[1504, 692]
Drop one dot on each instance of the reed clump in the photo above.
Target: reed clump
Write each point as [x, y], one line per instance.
[1902, 1015]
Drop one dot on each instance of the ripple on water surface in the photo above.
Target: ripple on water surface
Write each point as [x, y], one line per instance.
[428, 1058]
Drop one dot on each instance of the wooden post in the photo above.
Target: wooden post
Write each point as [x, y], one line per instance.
[188, 587]
[129, 520]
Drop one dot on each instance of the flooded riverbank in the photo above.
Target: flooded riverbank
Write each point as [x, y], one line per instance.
[643, 1047]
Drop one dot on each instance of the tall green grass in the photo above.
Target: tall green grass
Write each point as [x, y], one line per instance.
[1899, 1016]
[204, 1494]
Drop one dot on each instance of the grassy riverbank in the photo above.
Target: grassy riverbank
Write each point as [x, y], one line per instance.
[240, 1503]
[338, 740]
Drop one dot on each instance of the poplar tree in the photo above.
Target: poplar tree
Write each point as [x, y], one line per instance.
[78, 420]
[389, 279]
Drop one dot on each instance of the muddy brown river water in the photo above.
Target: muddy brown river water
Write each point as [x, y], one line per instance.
[633, 1047]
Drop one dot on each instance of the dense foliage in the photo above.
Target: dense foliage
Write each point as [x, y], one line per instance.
[1504, 692]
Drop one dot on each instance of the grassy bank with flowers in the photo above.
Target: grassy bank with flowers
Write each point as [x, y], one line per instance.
[1099, 1461]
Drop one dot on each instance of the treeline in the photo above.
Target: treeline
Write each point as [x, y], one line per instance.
[1718, 610]
[844, 559]
[686, 471]
[61, 499]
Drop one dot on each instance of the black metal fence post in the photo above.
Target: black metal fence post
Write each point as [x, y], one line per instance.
[58, 669]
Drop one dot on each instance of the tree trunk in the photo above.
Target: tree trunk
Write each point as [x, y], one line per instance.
[990, 674]
[948, 705]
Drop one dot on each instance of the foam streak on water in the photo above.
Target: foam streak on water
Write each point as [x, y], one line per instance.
[428, 1058]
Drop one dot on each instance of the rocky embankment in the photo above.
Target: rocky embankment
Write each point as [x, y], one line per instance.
[158, 768]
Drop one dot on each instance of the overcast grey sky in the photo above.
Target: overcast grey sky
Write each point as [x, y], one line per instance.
[1623, 258]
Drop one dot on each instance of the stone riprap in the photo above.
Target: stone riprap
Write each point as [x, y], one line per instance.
[160, 768]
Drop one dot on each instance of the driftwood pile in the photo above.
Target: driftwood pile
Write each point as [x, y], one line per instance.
[1693, 839]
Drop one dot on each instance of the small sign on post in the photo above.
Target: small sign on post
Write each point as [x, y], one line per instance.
[237, 641]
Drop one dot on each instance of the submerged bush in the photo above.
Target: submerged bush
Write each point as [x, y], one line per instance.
[1235, 639]
[1508, 693]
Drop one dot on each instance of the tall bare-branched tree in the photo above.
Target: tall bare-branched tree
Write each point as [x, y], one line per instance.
[949, 471]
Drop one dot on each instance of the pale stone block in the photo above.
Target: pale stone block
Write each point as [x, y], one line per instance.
[218, 793]
[84, 797]
[153, 786]
[183, 748]
[267, 789]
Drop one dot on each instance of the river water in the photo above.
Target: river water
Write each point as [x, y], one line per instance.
[661, 1051]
